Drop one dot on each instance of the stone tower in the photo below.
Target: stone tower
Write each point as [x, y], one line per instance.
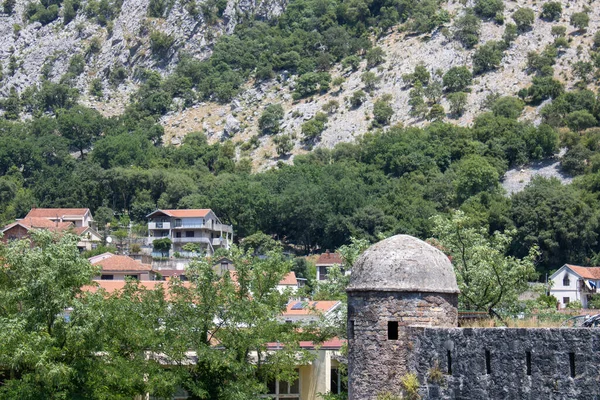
[401, 281]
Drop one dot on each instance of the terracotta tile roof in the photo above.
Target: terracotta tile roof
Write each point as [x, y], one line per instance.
[188, 213]
[40, 223]
[310, 307]
[54, 212]
[289, 279]
[331, 344]
[114, 262]
[585, 272]
[328, 258]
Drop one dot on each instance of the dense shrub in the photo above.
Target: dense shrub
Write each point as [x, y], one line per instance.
[268, 123]
[466, 29]
[313, 128]
[580, 20]
[357, 98]
[551, 11]
[488, 57]
[544, 88]
[160, 43]
[458, 103]
[382, 112]
[457, 79]
[489, 8]
[508, 107]
[524, 18]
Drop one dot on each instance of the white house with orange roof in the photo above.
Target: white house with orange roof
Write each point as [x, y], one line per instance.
[197, 226]
[116, 267]
[574, 283]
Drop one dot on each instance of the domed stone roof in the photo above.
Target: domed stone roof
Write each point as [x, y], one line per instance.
[403, 263]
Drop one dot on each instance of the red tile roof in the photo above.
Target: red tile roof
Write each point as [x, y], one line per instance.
[586, 272]
[189, 213]
[56, 212]
[310, 307]
[114, 262]
[331, 344]
[40, 223]
[289, 279]
[328, 258]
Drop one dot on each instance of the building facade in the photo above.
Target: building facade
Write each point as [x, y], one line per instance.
[574, 283]
[199, 227]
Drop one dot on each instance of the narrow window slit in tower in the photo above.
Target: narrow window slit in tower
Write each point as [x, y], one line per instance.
[572, 364]
[392, 330]
[351, 330]
[488, 362]
[449, 363]
[528, 362]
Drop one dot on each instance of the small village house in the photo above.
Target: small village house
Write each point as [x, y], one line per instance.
[325, 262]
[574, 283]
[200, 227]
[118, 268]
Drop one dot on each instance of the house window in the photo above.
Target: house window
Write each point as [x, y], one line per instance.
[189, 233]
[566, 280]
[322, 273]
[338, 381]
[164, 233]
[178, 234]
[283, 390]
[566, 300]
[224, 267]
[107, 277]
[177, 223]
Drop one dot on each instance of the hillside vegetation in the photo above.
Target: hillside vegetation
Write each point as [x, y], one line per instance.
[392, 111]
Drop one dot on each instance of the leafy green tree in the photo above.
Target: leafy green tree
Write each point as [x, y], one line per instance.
[524, 18]
[9, 6]
[283, 144]
[488, 278]
[510, 34]
[565, 234]
[156, 8]
[162, 245]
[81, 126]
[580, 20]
[375, 56]
[551, 11]
[508, 107]
[241, 315]
[466, 30]
[418, 108]
[488, 57]
[382, 112]
[489, 8]
[96, 89]
[458, 103]
[370, 80]
[457, 79]
[12, 105]
[580, 120]
[436, 113]
[576, 159]
[544, 88]
[474, 174]
[559, 30]
[76, 64]
[357, 98]
[269, 121]
[313, 128]
[42, 355]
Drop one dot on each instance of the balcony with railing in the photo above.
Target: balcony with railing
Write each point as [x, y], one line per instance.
[159, 225]
[191, 240]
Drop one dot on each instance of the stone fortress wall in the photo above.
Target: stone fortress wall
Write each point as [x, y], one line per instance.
[506, 363]
[402, 319]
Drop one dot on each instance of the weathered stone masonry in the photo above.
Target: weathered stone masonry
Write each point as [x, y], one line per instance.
[500, 363]
[402, 318]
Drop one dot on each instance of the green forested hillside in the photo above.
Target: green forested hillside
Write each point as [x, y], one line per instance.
[391, 180]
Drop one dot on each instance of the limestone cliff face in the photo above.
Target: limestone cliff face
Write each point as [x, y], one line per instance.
[36, 48]
[49, 48]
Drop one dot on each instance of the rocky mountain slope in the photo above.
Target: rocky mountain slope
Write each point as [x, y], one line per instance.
[125, 43]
